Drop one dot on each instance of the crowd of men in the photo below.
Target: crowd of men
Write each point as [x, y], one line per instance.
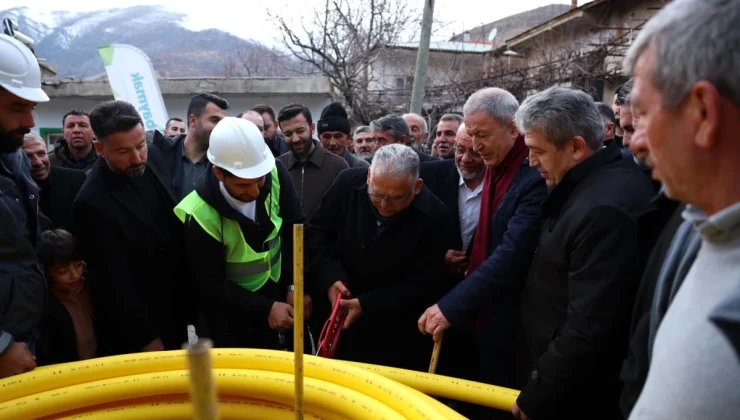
[587, 254]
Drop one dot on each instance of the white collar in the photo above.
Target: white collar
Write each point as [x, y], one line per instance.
[247, 209]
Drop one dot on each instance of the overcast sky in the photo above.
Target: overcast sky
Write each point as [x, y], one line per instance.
[250, 20]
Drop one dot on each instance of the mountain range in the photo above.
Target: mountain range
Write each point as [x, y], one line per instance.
[69, 42]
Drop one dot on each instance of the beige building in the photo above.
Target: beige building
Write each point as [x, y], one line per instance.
[449, 62]
[583, 47]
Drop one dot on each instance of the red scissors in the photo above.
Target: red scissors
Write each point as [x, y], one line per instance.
[332, 329]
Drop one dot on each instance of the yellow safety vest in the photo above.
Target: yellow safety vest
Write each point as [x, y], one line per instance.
[244, 266]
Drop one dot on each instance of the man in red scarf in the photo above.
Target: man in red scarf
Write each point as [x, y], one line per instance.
[487, 301]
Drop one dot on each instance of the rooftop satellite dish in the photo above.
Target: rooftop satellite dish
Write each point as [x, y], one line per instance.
[492, 34]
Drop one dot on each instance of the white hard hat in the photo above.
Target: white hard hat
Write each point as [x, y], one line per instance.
[19, 70]
[237, 145]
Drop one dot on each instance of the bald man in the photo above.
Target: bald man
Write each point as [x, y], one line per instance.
[58, 186]
[256, 118]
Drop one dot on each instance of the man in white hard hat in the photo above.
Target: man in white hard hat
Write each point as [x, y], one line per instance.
[22, 284]
[238, 232]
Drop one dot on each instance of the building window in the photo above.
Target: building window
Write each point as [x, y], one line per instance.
[404, 83]
[51, 136]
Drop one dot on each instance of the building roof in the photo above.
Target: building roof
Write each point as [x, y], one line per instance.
[310, 85]
[556, 21]
[447, 46]
[512, 25]
[47, 68]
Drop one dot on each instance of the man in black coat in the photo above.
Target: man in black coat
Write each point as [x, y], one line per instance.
[22, 285]
[58, 186]
[378, 230]
[131, 239]
[185, 155]
[578, 297]
[664, 224]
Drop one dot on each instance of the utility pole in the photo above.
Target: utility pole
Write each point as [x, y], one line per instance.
[422, 57]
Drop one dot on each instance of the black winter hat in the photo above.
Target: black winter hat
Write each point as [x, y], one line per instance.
[334, 118]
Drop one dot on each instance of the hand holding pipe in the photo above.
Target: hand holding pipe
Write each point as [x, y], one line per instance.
[435, 354]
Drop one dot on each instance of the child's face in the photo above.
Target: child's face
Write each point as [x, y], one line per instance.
[66, 276]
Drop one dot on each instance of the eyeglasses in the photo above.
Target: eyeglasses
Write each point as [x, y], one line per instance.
[388, 200]
[472, 154]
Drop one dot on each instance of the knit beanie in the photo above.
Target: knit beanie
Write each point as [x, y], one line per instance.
[333, 118]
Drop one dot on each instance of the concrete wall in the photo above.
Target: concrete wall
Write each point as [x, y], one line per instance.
[444, 68]
[49, 115]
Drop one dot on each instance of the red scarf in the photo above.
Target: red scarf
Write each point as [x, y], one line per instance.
[495, 184]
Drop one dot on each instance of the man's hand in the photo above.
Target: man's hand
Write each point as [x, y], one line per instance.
[354, 310]
[281, 316]
[18, 359]
[433, 322]
[307, 304]
[335, 288]
[155, 345]
[456, 262]
[434, 151]
[518, 413]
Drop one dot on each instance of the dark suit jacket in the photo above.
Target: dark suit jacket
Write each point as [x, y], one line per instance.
[515, 228]
[141, 282]
[494, 289]
[664, 222]
[58, 192]
[171, 152]
[425, 158]
[443, 180]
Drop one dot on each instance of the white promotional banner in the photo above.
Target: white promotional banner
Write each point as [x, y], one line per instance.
[132, 79]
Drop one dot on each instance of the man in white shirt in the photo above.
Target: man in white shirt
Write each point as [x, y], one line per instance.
[458, 183]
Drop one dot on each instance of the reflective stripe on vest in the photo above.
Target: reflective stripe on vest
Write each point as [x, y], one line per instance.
[244, 266]
[234, 269]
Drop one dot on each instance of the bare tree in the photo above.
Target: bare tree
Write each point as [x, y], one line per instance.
[342, 43]
[257, 60]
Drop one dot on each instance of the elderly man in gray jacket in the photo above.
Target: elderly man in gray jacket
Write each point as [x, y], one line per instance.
[689, 101]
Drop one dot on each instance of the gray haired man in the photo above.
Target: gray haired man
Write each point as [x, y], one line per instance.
[487, 302]
[393, 129]
[578, 296]
[687, 91]
[378, 230]
[364, 142]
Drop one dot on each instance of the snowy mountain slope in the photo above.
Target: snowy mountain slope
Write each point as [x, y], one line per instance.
[70, 40]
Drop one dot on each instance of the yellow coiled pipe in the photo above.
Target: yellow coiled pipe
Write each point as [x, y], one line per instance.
[333, 388]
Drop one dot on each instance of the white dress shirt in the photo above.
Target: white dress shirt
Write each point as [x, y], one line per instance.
[468, 205]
